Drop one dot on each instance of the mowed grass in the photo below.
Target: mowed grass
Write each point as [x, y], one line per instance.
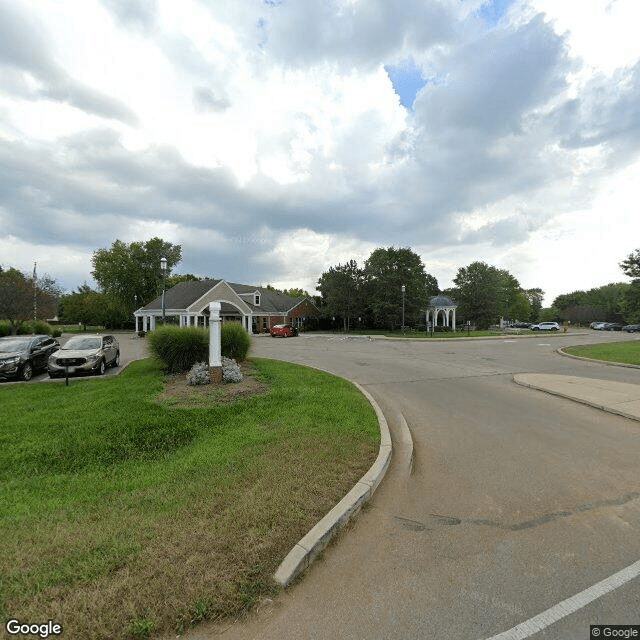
[624, 352]
[122, 516]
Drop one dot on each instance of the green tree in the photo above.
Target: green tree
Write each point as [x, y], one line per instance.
[24, 297]
[385, 272]
[341, 288]
[520, 308]
[485, 293]
[85, 306]
[535, 297]
[631, 300]
[130, 274]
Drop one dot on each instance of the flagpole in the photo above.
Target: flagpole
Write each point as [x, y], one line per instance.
[35, 293]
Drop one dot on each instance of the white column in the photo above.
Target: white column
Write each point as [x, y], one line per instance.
[454, 320]
[153, 323]
[215, 349]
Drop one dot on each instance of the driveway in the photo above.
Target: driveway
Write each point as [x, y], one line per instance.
[516, 500]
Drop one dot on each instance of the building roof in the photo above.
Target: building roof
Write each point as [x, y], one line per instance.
[184, 294]
[441, 301]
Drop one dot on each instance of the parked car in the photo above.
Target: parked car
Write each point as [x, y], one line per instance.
[631, 328]
[545, 326]
[612, 326]
[596, 325]
[85, 354]
[283, 330]
[21, 356]
[521, 325]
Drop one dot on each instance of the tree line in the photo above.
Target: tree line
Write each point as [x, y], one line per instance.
[373, 296]
[129, 276]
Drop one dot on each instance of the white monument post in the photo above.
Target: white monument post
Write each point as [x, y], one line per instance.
[215, 348]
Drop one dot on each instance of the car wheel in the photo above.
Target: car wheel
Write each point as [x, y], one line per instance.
[27, 372]
[101, 368]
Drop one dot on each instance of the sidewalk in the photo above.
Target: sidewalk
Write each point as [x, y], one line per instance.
[620, 398]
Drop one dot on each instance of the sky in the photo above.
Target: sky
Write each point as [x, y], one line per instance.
[273, 139]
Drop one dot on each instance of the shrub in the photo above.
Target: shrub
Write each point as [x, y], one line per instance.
[5, 328]
[40, 326]
[179, 348]
[235, 341]
[231, 371]
[199, 374]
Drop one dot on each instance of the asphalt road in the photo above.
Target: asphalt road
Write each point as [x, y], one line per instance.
[517, 500]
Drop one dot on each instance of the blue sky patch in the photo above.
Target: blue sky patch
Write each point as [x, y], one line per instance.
[407, 80]
[493, 10]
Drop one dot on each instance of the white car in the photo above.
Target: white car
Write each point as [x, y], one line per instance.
[545, 326]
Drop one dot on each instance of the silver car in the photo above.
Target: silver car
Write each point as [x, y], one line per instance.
[85, 354]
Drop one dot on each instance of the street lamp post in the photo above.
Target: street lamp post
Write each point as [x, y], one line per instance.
[403, 289]
[163, 266]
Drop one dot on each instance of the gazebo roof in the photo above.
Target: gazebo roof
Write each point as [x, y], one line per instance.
[441, 301]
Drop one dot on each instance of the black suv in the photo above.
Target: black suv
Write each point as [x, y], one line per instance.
[20, 356]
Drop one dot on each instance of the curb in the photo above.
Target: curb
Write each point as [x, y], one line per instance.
[588, 403]
[560, 350]
[306, 550]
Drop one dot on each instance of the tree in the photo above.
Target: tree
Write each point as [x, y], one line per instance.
[485, 293]
[535, 297]
[130, 274]
[631, 300]
[385, 272]
[85, 306]
[341, 288]
[22, 297]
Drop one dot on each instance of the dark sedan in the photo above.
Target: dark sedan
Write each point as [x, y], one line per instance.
[631, 328]
[612, 326]
[21, 356]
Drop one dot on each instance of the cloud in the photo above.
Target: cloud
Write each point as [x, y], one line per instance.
[33, 76]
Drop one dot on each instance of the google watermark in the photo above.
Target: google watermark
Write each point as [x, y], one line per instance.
[40, 629]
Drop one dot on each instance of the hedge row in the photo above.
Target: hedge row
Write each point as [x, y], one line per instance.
[25, 328]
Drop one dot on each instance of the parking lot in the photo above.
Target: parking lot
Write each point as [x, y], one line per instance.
[131, 348]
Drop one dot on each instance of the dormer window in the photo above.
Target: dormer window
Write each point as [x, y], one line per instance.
[256, 299]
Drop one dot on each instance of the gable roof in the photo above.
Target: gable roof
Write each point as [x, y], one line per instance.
[184, 294]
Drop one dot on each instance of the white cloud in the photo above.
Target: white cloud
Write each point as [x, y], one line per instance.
[267, 138]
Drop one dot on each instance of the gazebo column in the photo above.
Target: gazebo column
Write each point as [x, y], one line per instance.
[454, 320]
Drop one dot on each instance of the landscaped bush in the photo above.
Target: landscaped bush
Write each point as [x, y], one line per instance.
[40, 326]
[235, 341]
[179, 348]
[5, 328]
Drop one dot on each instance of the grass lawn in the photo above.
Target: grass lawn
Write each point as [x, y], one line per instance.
[625, 352]
[122, 515]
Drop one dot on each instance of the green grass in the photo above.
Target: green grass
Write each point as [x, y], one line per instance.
[624, 352]
[123, 516]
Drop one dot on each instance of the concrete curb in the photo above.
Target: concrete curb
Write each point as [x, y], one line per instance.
[306, 550]
[609, 363]
[560, 394]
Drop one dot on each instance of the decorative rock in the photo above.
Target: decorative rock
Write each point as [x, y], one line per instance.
[231, 370]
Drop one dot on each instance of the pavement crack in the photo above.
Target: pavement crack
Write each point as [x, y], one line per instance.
[435, 520]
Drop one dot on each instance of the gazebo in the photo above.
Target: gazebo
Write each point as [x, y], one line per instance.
[442, 307]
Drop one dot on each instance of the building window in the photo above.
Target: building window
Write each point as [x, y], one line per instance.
[256, 299]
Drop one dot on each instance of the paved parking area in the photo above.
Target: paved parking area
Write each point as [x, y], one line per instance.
[131, 348]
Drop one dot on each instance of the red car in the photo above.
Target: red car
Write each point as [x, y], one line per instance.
[283, 330]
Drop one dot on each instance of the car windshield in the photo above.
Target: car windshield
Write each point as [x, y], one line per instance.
[81, 343]
[17, 344]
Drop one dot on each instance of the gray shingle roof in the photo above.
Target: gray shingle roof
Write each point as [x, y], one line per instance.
[184, 294]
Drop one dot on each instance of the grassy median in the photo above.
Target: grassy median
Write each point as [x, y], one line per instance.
[124, 515]
[623, 352]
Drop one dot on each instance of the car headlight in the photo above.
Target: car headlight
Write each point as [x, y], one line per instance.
[93, 357]
[13, 360]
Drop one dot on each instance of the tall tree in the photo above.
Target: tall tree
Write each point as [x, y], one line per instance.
[385, 272]
[535, 297]
[485, 293]
[341, 289]
[24, 297]
[130, 274]
[631, 301]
